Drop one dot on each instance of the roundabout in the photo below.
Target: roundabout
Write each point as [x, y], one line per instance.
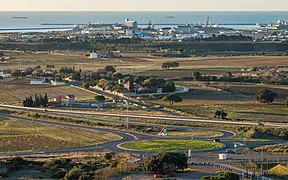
[171, 145]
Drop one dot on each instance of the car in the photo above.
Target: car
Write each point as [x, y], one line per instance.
[216, 140]
[157, 176]
[260, 124]
[230, 151]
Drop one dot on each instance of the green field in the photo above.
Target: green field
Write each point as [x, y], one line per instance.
[28, 136]
[172, 145]
[196, 133]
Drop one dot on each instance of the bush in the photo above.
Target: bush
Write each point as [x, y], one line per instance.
[59, 174]
[108, 156]
[221, 114]
[279, 171]
[3, 171]
[16, 163]
[165, 162]
[252, 134]
[222, 176]
[73, 174]
[86, 176]
[265, 96]
[57, 163]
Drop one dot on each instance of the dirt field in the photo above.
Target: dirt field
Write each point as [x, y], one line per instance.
[204, 102]
[15, 91]
[28, 136]
[135, 62]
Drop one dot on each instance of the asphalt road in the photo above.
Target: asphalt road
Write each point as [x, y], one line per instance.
[173, 118]
[127, 136]
[200, 157]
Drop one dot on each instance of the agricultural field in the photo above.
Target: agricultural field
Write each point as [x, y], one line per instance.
[142, 63]
[235, 99]
[28, 136]
[14, 91]
[238, 103]
[172, 145]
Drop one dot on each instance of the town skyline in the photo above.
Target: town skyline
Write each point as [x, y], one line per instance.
[149, 5]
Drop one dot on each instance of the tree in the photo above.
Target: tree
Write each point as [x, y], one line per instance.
[117, 76]
[86, 85]
[118, 88]
[196, 76]
[150, 83]
[46, 100]
[165, 162]
[76, 76]
[168, 65]
[99, 98]
[140, 79]
[266, 96]
[16, 73]
[103, 83]
[169, 86]
[221, 114]
[172, 98]
[110, 69]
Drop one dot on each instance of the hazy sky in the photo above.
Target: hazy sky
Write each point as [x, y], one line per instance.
[143, 5]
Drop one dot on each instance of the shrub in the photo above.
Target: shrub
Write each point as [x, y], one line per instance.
[59, 174]
[57, 163]
[252, 134]
[165, 162]
[86, 176]
[280, 171]
[265, 96]
[222, 176]
[73, 174]
[108, 156]
[3, 171]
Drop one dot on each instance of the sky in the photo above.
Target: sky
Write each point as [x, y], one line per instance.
[143, 5]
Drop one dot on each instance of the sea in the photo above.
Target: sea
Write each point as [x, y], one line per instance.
[49, 21]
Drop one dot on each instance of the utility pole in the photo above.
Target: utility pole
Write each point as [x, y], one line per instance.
[127, 113]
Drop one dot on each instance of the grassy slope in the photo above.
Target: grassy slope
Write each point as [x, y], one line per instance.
[27, 136]
[280, 171]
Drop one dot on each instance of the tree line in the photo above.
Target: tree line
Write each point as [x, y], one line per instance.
[38, 101]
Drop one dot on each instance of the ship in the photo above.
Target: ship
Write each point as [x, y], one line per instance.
[170, 17]
[19, 17]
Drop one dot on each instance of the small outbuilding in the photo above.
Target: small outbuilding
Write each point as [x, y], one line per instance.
[222, 156]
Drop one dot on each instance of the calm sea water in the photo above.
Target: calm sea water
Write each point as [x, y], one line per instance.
[35, 19]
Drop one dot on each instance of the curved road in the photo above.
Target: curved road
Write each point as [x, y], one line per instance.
[108, 146]
[173, 118]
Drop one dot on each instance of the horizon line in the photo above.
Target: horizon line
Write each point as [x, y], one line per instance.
[144, 11]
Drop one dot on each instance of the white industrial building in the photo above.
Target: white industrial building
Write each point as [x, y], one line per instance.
[93, 55]
[39, 82]
[58, 83]
[131, 24]
[5, 75]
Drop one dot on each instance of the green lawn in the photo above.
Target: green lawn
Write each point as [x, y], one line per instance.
[172, 145]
